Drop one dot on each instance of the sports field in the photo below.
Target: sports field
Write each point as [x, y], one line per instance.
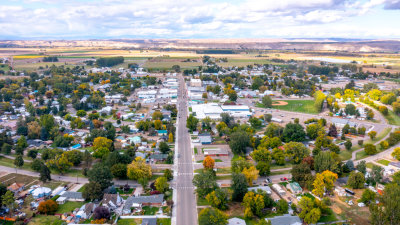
[303, 106]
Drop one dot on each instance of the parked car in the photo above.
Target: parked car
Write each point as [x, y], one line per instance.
[284, 179]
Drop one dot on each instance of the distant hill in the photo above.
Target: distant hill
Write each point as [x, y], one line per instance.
[332, 44]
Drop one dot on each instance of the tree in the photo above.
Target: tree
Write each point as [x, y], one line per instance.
[60, 163]
[296, 151]
[253, 202]
[388, 211]
[319, 185]
[332, 131]
[8, 200]
[264, 168]
[138, 169]
[6, 149]
[119, 170]
[206, 182]
[362, 167]
[101, 142]
[19, 161]
[170, 138]
[239, 141]
[21, 145]
[350, 109]
[376, 174]
[237, 165]
[268, 117]
[211, 216]
[348, 145]
[278, 156]
[101, 212]
[368, 196]
[218, 199]
[396, 153]
[313, 130]
[92, 191]
[372, 134]
[208, 162]
[325, 161]
[191, 122]
[101, 152]
[32, 153]
[313, 216]
[282, 206]
[164, 147]
[48, 207]
[101, 174]
[45, 174]
[81, 113]
[239, 186]
[301, 173]
[356, 180]
[267, 101]
[370, 149]
[161, 184]
[251, 174]
[293, 132]
[168, 174]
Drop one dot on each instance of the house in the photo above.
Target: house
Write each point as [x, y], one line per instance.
[340, 123]
[394, 165]
[285, 220]
[236, 221]
[112, 201]
[278, 189]
[162, 132]
[57, 191]
[215, 152]
[139, 201]
[135, 140]
[86, 211]
[205, 138]
[294, 187]
[158, 157]
[16, 187]
[41, 192]
[70, 196]
[195, 82]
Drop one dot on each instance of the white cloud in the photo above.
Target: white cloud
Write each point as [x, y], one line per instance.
[180, 18]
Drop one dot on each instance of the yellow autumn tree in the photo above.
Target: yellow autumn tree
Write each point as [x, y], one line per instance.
[319, 187]
[170, 138]
[138, 169]
[251, 174]
[329, 179]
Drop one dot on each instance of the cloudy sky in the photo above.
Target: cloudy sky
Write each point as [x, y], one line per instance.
[84, 19]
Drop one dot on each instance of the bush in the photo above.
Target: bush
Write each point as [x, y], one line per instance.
[360, 142]
[370, 149]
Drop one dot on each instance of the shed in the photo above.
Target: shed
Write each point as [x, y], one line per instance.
[294, 187]
[41, 192]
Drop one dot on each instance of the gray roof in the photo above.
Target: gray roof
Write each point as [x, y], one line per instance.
[72, 194]
[149, 221]
[285, 220]
[236, 221]
[343, 121]
[395, 164]
[205, 138]
[158, 156]
[143, 199]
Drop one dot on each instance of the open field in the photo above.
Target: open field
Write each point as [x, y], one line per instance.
[303, 106]
[129, 221]
[392, 118]
[69, 207]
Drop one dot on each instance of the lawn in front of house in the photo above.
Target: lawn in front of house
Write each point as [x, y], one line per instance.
[69, 207]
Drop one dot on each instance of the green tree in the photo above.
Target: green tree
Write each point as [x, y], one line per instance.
[81, 113]
[239, 186]
[21, 145]
[218, 199]
[301, 173]
[191, 122]
[19, 161]
[92, 191]
[161, 184]
[372, 134]
[239, 141]
[6, 149]
[164, 147]
[293, 132]
[313, 216]
[205, 182]
[370, 149]
[389, 211]
[119, 170]
[45, 174]
[60, 163]
[101, 174]
[282, 206]
[313, 130]
[348, 145]
[211, 216]
[324, 161]
[296, 151]
[396, 153]
[267, 101]
[368, 196]
[8, 200]
[356, 180]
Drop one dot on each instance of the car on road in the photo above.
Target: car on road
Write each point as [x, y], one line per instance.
[268, 180]
[284, 179]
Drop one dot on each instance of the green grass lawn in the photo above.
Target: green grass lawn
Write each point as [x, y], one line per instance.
[287, 165]
[46, 220]
[129, 221]
[69, 207]
[280, 172]
[195, 151]
[383, 162]
[202, 202]
[148, 210]
[392, 118]
[225, 177]
[330, 217]
[369, 165]
[164, 221]
[303, 106]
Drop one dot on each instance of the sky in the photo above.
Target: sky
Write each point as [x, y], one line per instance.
[198, 19]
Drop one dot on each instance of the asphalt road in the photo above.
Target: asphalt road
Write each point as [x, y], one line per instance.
[186, 199]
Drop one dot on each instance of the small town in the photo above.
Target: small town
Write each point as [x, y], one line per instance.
[199, 113]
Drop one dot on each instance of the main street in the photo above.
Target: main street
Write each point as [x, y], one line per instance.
[186, 212]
